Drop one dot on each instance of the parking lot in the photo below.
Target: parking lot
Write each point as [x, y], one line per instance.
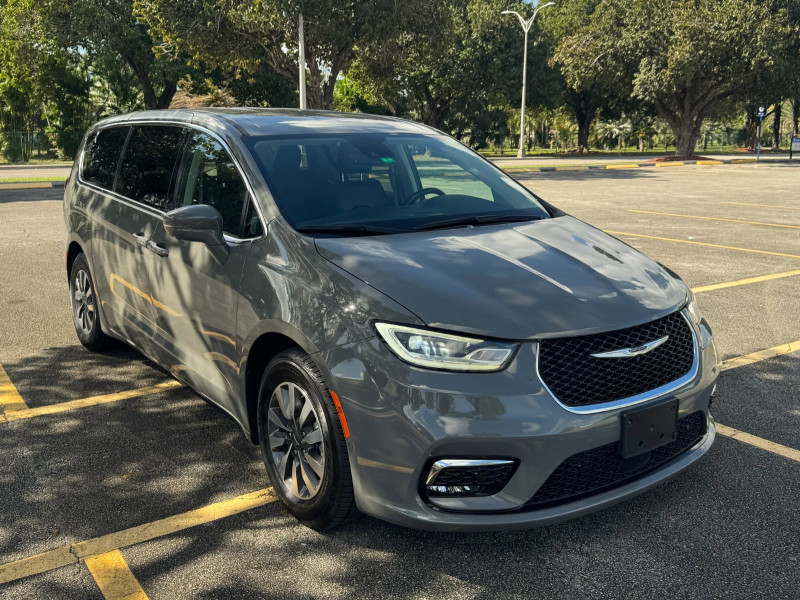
[117, 482]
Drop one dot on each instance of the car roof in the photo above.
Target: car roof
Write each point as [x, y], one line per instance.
[275, 121]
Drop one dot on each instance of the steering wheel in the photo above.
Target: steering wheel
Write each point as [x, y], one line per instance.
[420, 194]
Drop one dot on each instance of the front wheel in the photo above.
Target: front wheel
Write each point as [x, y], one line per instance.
[302, 442]
[85, 306]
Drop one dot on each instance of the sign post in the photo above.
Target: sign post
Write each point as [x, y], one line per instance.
[795, 147]
[762, 112]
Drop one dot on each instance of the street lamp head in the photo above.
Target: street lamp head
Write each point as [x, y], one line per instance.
[507, 12]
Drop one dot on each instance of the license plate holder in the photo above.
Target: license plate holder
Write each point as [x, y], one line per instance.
[647, 428]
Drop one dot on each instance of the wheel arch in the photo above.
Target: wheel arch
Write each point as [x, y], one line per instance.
[261, 351]
[73, 250]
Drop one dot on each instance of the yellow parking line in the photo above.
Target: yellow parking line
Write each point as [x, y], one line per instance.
[752, 440]
[10, 400]
[749, 359]
[630, 166]
[665, 214]
[72, 553]
[654, 237]
[749, 280]
[710, 162]
[114, 577]
[762, 205]
[670, 163]
[29, 413]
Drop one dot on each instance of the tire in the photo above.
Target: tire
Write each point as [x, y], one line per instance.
[85, 307]
[309, 470]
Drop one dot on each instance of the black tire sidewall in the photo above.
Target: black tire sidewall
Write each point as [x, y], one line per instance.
[314, 512]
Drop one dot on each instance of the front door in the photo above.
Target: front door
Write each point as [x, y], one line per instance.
[197, 337]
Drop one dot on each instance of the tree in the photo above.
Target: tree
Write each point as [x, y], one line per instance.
[458, 70]
[109, 33]
[241, 35]
[587, 97]
[44, 93]
[683, 57]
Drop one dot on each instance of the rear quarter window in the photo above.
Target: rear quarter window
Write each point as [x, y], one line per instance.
[101, 155]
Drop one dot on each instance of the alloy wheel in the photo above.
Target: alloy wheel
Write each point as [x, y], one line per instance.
[296, 440]
[83, 302]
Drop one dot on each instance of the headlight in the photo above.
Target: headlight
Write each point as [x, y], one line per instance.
[434, 350]
[692, 308]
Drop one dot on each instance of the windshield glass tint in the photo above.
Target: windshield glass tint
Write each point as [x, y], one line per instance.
[389, 181]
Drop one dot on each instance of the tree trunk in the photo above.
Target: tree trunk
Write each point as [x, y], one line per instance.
[796, 116]
[751, 129]
[776, 127]
[584, 118]
[686, 136]
[151, 100]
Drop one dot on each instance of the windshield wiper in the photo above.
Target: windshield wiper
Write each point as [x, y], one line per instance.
[477, 220]
[348, 229]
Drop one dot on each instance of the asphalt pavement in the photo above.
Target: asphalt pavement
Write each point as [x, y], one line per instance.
[129, 478]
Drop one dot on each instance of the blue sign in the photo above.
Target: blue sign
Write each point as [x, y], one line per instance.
[762, 112]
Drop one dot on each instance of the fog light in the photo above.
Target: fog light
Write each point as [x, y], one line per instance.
[468, 476]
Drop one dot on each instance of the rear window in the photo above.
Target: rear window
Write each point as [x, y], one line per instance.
[149, 164]
[101, 156]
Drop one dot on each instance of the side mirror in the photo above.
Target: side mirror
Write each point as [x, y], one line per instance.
[198, 223]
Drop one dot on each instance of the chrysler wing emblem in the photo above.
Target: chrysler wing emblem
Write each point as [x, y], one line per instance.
[629, 352]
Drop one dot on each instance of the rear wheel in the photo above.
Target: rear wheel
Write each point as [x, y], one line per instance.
[302, 442]
[85, 306]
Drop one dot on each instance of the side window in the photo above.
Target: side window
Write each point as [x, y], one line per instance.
[438, 171]
[210, 177]
[149, 164]
[101, 155]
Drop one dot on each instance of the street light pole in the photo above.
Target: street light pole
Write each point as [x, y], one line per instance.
[526, 27]
[302, 66]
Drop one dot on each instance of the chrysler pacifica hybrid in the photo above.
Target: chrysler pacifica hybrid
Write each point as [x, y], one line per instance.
[404, 329]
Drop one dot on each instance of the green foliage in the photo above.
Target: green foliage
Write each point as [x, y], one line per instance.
[683, 57]
[241, 35]
[458, 69]
[350, 95]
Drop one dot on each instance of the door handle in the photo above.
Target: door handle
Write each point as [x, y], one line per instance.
[141, 239]
[157, 248]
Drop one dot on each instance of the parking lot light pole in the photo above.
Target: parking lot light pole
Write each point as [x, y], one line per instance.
[526, 27]
[302, 65]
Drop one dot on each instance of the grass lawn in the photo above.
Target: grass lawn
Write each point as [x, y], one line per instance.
[55, 162]
[631, 152]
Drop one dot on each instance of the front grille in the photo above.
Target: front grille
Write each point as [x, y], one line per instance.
[602, 468]
[577, 378]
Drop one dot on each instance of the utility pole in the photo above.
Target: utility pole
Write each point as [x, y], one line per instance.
[302, 66]
[526, 26]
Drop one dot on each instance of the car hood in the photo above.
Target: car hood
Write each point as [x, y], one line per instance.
[545, 278]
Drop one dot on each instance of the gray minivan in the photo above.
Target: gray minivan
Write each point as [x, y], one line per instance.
[404, 329]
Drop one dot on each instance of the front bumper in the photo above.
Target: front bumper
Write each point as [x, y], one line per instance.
[401, 418]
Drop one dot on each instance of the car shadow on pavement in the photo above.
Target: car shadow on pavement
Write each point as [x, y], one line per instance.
[60, 374]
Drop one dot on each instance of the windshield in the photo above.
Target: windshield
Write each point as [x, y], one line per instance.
[369, 183]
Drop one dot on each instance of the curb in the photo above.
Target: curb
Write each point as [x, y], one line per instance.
[31, 185]
[734, 161]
